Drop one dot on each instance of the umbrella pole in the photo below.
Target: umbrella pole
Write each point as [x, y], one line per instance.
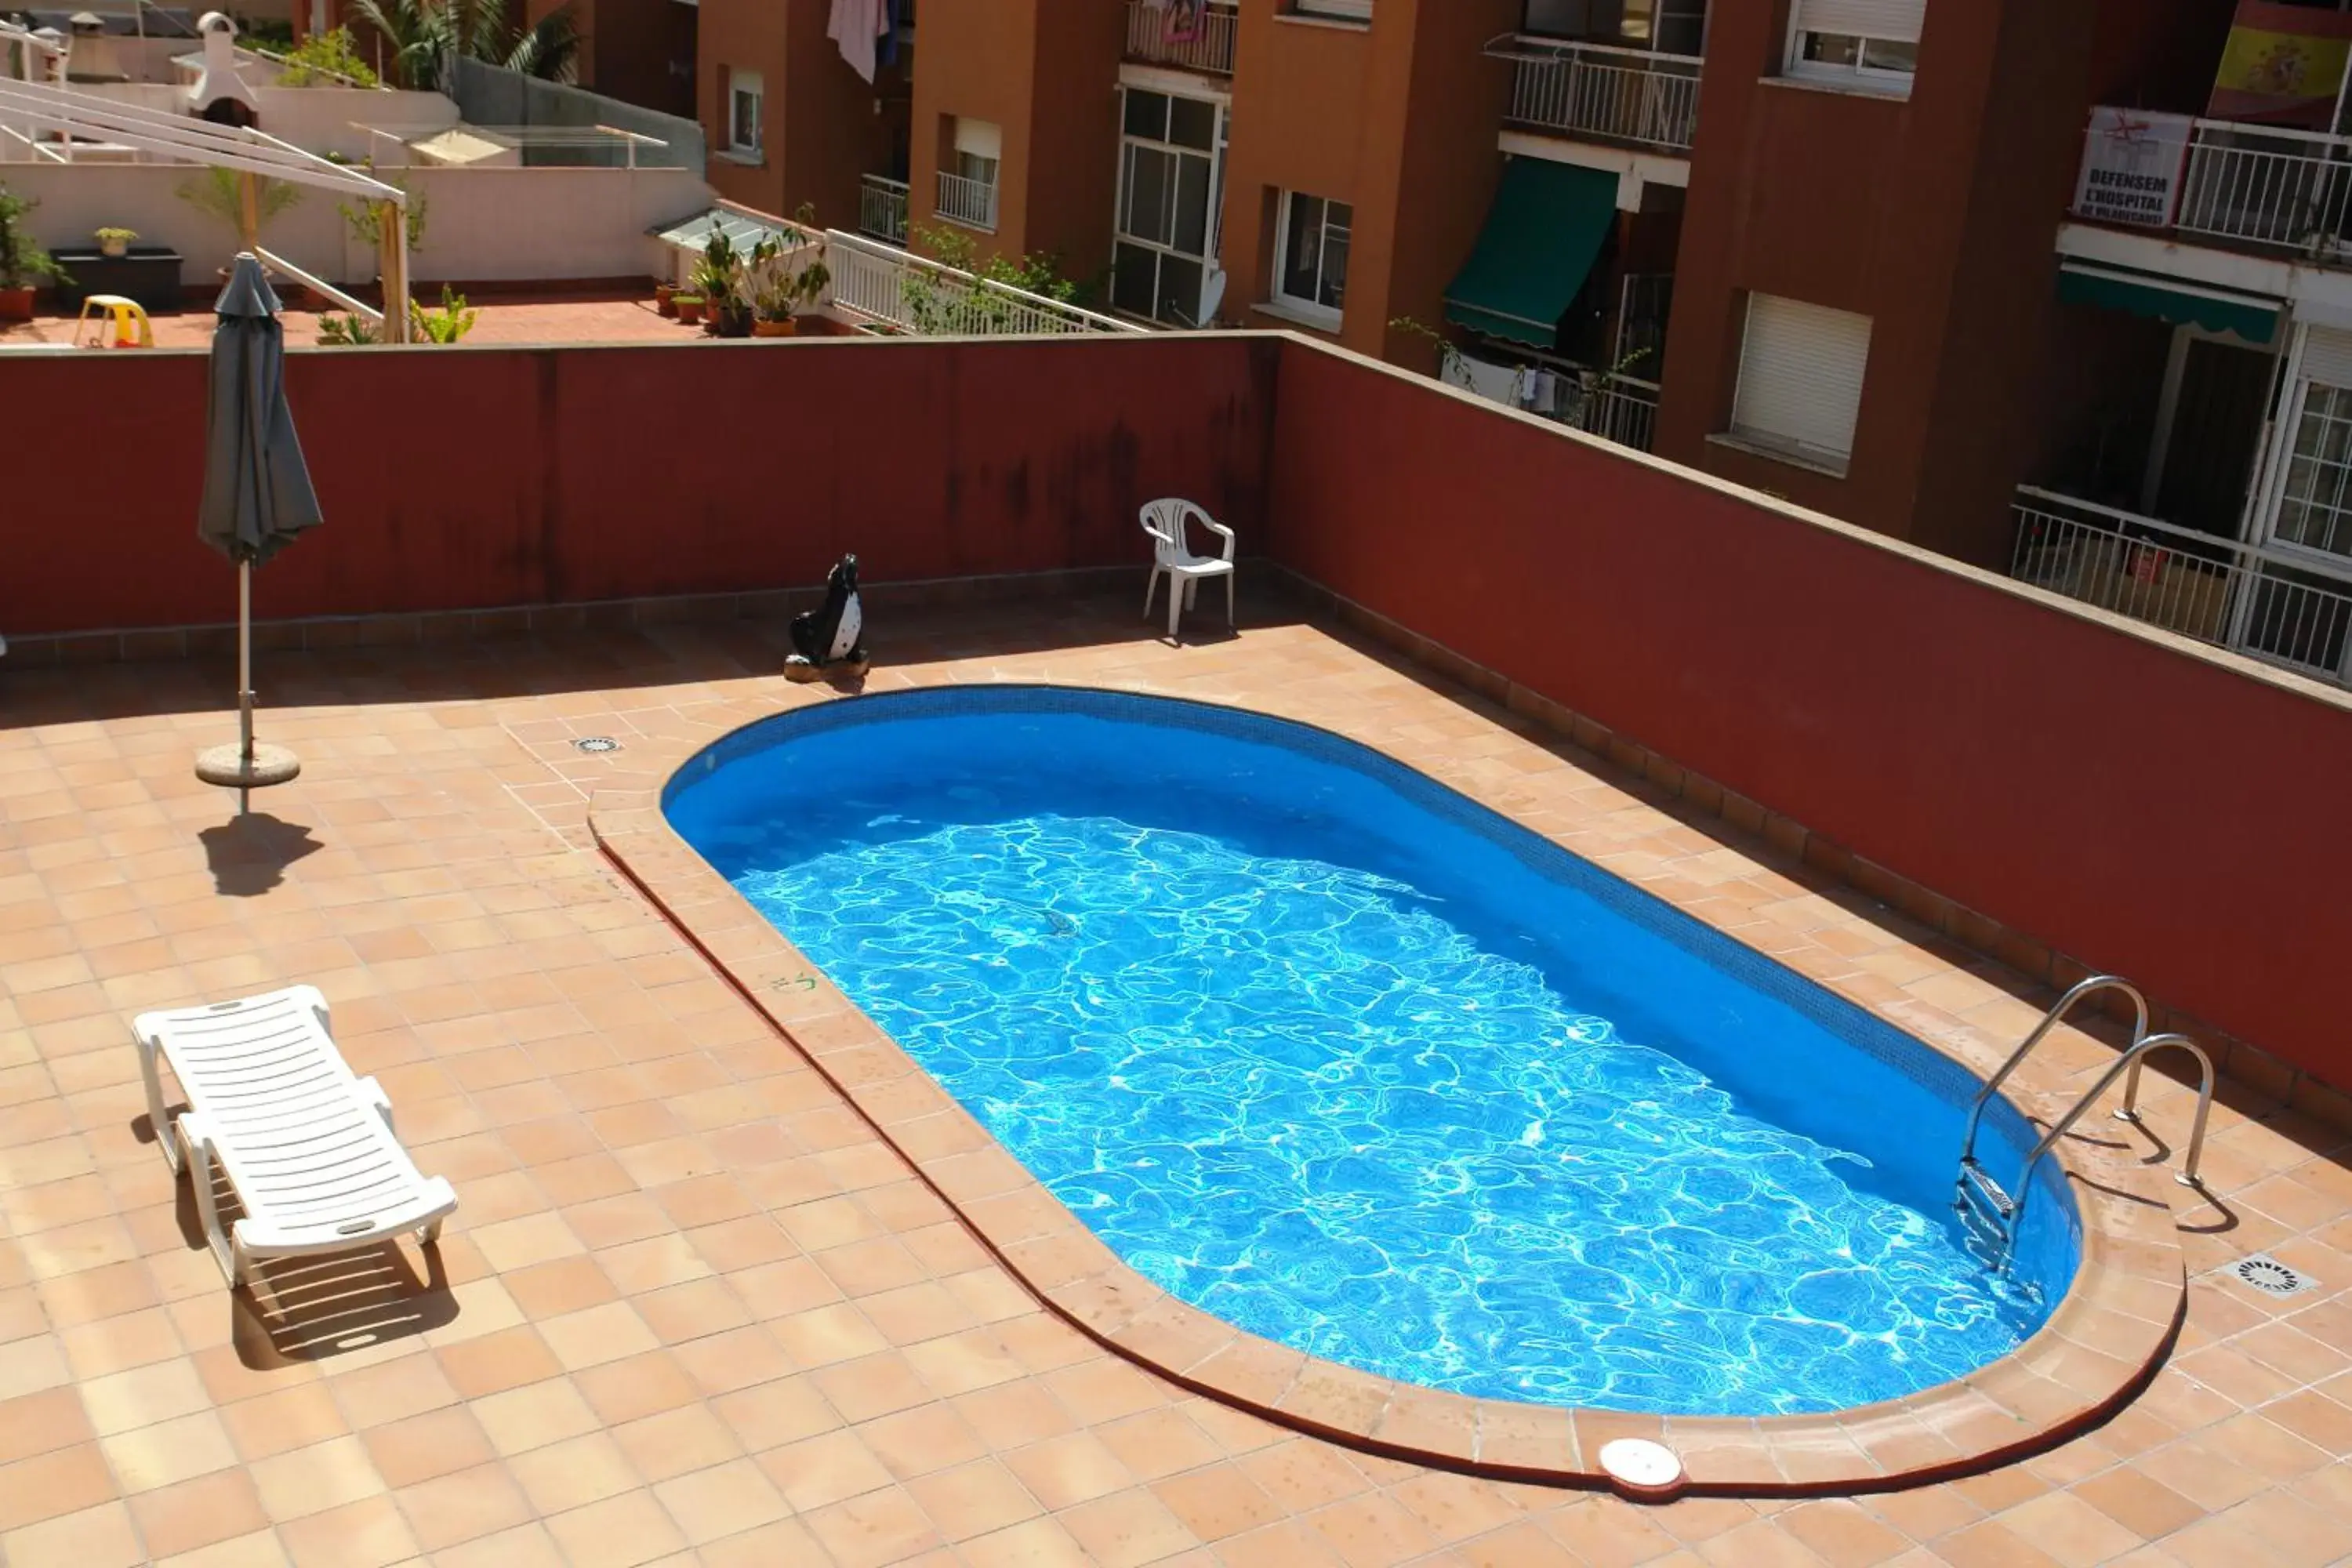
[244, 662]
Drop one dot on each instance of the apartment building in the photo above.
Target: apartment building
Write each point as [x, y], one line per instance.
[2010, 279]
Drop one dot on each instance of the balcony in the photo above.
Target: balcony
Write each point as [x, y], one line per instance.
[971, 202]
[2218, 591]
[902, 294]
[1602, 92]
[882, 209]
[1151, 38]
[2220, 181]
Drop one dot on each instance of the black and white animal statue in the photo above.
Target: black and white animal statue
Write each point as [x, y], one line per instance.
[832, 638]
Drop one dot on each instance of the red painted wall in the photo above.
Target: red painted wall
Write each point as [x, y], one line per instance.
[618, 472]
[2102, 791]
[2093, 788]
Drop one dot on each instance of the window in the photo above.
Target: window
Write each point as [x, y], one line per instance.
[2317, 509]
[1336, 10]
[746, 100]
[1171, 159]
[968, 183]
[1870, 44]
[1310, 263]
[1800, 370]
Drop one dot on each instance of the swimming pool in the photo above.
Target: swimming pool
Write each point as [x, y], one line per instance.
[1333, 1053]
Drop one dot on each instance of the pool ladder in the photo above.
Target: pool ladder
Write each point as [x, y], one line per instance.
[1988, 1211]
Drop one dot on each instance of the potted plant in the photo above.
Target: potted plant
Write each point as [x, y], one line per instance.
[772, 309]
[719, 277]
[115, 241]
[690, 307]
[664, 298]
[22, 260]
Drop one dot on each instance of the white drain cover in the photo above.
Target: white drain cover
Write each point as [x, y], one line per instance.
[2271, 1277]
[1642, 1468]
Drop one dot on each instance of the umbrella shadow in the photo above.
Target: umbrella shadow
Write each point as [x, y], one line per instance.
[249, 853]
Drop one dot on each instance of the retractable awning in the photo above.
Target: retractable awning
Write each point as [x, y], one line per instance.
[1542, 235]
[2249, 316]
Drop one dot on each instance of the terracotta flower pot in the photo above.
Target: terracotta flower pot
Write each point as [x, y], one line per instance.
[665, 300]
[764, 328]
[16, 304]
[686, 311]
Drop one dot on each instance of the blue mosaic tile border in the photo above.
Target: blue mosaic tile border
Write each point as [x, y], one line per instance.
[1914, 1058]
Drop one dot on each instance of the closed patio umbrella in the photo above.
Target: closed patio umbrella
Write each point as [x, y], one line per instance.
[257, 497]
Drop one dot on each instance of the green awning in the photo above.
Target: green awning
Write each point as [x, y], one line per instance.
[2249, 316]
[1541, 237]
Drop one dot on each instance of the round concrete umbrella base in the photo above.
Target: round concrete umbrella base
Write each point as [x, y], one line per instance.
[225, 766]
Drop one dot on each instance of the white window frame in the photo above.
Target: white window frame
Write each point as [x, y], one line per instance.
[1334, 10]
[1858, 76]
[1221, 138]
[1771, 444]
[1313, 311]
[757, 91]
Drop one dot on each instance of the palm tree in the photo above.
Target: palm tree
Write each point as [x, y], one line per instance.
[424, 34]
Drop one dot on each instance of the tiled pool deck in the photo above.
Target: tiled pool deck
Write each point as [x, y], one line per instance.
[692, 1307]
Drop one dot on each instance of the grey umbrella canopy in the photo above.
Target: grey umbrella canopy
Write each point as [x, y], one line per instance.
[257, 497]
[257, 494]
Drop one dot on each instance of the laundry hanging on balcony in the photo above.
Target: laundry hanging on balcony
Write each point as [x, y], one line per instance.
[2251, 317]
[857, 26]
[1542, 235]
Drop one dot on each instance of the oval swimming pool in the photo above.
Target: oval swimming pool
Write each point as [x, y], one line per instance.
[1328, 1049]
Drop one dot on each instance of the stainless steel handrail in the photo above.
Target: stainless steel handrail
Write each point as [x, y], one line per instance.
[2050, 1021]
[2188, 1177]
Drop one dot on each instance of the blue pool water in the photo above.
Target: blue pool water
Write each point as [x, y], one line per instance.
[1324, 1049]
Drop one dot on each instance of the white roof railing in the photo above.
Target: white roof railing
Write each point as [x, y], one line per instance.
[36, 107]
[39, 107]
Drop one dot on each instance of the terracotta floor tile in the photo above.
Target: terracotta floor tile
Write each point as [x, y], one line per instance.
[676, 1441]
[1218, 1502]
[1372, 1531]
[573, 1473]
[507, 1358]
[723, 1501]
[101, 1537]
[66, 1480]
[169, 1452]
[525, 1546]
[650, 1367]
[974, 1499]
[533, 1416]
[1842, 1534]
[365, 1535]
[818, 1471]
[1069, 1470]
[619, 1532]
[290, 1418]
[1127, 1528]
[872, 1528]
[261, 1549]
[423, 1447]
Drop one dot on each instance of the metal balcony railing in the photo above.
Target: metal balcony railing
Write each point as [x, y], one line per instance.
[1602, 91]
[2253, 183]
[882, 208]
[914, 295]
[971, 202]
[1153, 37]
[2219, 591]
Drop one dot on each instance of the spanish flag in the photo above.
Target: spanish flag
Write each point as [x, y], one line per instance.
[2283, 66]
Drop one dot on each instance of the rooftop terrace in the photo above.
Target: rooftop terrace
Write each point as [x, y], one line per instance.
[694, 1306]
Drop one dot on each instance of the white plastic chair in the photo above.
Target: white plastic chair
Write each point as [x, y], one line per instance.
[1164, 521]
[271, 1104]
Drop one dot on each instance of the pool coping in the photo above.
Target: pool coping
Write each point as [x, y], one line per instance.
[2097, 1350]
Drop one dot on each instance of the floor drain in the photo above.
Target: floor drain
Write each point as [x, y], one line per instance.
[597, 743]
[2271, 1277]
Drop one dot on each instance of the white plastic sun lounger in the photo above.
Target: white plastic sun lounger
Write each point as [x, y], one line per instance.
[309, 1148]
